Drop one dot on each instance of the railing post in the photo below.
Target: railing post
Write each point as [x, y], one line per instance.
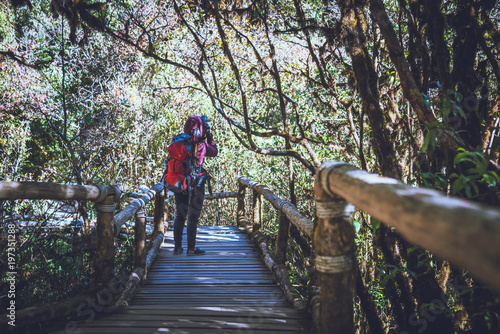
[282, 239]
[240, 214]
[257, 210]
[333, 242]
[105, 236]
[140, 239]
[159, 214]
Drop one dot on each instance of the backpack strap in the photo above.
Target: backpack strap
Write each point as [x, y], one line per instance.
[164, 179]
[195, 167]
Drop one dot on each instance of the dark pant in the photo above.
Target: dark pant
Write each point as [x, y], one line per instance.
[190, 210]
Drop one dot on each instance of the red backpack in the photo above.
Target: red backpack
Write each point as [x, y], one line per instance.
[181, 171]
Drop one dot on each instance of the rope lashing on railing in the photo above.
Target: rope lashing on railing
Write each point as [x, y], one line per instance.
[282, 203]
[141, 202]
[103, 193]
[324, 177]
[105, 207]
[340, 263]
[333, 209]
[333, 264]
[253, 184]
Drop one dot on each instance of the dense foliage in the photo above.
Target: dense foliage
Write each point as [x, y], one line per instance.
[93, 92]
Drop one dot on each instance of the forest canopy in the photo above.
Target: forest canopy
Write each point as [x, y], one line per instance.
[92, 92]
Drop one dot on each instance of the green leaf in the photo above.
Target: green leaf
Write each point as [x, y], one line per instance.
[461, 112]
[357, 225]
[476, 189]
[461, 157]
[428, 140]
[495, 175]
[457, 185]
[375, 224]
[410, 250]
[389, 276]
[467, 190]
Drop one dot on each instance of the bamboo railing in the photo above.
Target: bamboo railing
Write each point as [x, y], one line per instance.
[462, 232]
[108, 225]
[288, 214]
[465, 233]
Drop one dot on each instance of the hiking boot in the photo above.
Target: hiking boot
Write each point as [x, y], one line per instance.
[195, 251]
[178, 250]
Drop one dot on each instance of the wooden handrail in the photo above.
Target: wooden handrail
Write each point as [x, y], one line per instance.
[137, 276]
[45, 190]
[221, 195]
[105, 198]
[301, 222]
[460, 231]
[465, 233]
[129, 211]
[287, 213]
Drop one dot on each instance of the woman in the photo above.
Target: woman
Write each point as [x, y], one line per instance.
[189, 204]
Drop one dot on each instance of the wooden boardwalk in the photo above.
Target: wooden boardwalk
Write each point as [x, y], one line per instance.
[227, 290]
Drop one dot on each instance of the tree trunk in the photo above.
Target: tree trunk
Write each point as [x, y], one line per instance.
[366, 79]
[464, 61]
[432, 300]
[368, 304]
[440, 55]
[396, 290]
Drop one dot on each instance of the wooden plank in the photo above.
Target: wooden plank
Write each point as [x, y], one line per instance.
[204, 323]
[222, 303]
[195, 318]
[213, 273]
[201, 277]
[209, 268]
[210, 255]
[212, 287]
[177, 289]
[201, 273]
[208, 296]
[214, 295]
[226, 311]
[209, 264]
[213, 261]
[209, 281]
[228, 290]
[214, 256]
[107, 330]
